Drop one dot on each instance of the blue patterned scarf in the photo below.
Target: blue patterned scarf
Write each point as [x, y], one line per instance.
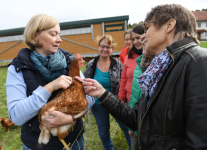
[149, 79]
[51, 67]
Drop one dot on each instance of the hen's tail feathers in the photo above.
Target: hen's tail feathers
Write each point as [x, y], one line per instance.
[79, 115]
[63, 131]
[44, 135]
[53, 131]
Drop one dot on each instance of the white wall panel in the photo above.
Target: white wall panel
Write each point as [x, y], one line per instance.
[63, 32]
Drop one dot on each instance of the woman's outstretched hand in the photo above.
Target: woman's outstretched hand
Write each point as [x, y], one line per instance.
[92, 87]
[62, 82]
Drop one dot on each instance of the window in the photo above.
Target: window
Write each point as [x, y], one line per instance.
[206, 24]
[114, 27]
[199, 24]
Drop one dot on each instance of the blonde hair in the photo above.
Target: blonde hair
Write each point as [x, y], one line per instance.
[37, 24]
[108, 38]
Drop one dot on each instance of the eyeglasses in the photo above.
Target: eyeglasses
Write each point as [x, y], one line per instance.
[107, 47]
[145, 25]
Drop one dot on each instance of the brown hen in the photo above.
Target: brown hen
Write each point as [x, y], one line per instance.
[6, 123]
[70, 101]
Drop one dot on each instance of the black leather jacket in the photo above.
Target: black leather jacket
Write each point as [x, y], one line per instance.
[177, 115]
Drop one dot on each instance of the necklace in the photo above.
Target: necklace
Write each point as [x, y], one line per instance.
[104, 65]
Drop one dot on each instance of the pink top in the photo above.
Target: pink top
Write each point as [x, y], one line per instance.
[127, 77]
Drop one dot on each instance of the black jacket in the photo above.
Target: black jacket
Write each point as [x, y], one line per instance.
[30, 130]
[177, 115]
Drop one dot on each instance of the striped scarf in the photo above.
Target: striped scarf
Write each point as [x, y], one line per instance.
[51, 67]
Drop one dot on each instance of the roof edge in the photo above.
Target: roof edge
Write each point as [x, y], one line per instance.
[65, 25]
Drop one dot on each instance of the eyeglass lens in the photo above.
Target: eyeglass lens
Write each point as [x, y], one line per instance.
[107, 47]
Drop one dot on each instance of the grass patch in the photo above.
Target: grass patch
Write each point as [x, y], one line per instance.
[203, 44]
[12, 141]
[8, 140]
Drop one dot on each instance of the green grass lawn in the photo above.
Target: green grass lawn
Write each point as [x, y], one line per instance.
[8, 140]
[11, 140]
[203, 44]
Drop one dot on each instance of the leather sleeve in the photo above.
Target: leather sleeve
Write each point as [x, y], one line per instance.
[196, 105]
[121, 111]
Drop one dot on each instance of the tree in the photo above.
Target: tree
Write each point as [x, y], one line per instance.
[197, 10]
[129, 26]
[140, 22]
[134, 24]
[204, 9]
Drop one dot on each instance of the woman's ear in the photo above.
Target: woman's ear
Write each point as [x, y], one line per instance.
[35, 37]
[170, 26]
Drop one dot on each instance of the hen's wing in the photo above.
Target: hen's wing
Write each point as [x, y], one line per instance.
[9, 122]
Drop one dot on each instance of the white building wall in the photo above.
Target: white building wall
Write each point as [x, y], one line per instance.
[83, 30]
[203, 26]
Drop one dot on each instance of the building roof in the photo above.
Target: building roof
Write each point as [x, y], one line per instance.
[200, 15]
[202, 30]
[68, 25]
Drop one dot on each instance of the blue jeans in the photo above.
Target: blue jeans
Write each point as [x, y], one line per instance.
[77, 145]
[102, 121]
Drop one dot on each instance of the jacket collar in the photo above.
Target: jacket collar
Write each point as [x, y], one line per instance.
[113, 62]
[178, 48]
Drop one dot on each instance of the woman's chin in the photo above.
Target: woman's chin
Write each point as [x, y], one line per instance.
[54, 51]
[129, 47]
[105, 55]
[139, 47]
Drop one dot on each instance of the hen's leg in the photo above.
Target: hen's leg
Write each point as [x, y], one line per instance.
[65, 145]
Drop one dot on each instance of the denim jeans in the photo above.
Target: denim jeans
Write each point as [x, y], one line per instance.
[24, 147]
[77, 145]
[102, 121]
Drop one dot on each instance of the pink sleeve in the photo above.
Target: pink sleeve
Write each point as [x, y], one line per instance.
[123, 54]
[122, 91]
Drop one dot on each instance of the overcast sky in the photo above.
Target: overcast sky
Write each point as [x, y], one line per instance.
[16, 13]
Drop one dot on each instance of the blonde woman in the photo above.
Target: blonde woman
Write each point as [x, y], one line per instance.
[34, 76]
